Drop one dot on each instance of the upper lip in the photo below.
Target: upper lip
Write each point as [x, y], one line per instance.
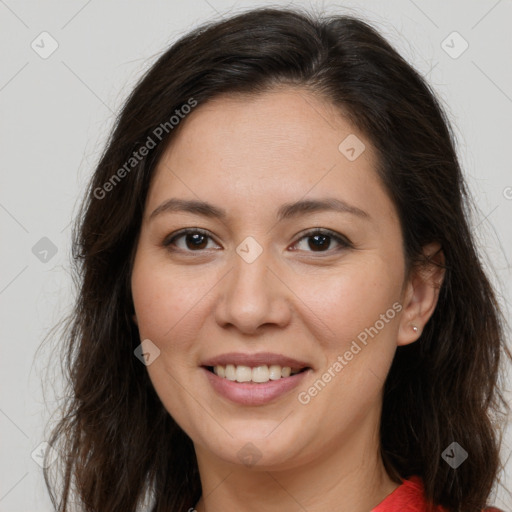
[253, 360]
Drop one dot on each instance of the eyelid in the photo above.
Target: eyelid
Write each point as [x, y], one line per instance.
[168, 240]
[341, 240]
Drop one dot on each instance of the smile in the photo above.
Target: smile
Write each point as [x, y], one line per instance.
[258, 374]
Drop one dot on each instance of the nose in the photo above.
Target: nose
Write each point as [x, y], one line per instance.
[252, 296]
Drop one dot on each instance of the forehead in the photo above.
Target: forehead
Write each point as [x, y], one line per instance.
[276, 146]
[290, 123]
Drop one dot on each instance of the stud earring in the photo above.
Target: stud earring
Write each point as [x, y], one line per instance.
[415, 328]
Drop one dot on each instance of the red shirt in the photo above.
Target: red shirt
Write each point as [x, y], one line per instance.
[410, 497]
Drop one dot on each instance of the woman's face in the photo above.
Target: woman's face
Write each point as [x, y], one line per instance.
[298, 263]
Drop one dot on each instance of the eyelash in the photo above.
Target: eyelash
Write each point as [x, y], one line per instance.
[342, 241]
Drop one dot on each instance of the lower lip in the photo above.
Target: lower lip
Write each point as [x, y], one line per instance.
[249, 393]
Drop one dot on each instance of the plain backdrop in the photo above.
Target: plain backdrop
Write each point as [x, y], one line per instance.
[66, 68]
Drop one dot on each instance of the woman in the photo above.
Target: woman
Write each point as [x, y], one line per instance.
[281, 305]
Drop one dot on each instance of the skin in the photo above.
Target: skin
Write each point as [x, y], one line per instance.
[250, 155]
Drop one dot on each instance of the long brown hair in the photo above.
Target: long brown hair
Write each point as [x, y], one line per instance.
[118, 444]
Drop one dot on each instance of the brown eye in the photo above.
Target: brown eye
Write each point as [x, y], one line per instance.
[322, 241]
[189, 240]
[319, 242]
[196, 241]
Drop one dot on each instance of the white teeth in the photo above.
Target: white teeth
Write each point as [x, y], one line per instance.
[230, 372]
[259, 374]
[243, 374]
[274, 372]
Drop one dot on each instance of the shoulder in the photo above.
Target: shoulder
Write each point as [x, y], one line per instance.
[410, 497]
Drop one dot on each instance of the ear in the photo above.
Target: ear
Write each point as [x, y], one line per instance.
[421, 292]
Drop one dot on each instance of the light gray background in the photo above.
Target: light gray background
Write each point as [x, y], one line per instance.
[56, 114]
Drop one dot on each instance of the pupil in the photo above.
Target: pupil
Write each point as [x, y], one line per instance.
[197, 239]
[316, 242]
[320, 242]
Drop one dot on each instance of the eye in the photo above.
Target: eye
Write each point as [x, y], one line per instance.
[191, 239]
[196, 240]
[321, 240]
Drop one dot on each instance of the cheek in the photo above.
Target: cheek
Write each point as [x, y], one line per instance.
[351, 300]
[169, 309]
[165, 302]
[359, 311]
[162, 295]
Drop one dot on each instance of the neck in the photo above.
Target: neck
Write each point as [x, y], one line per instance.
[347, 477]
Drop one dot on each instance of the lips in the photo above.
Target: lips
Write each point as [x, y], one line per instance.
[254, 393]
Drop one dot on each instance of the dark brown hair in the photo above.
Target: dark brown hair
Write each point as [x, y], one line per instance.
[119, 445]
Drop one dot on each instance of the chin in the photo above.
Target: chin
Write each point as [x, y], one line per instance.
[259, 449]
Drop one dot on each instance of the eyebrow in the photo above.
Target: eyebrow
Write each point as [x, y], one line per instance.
[286, 211]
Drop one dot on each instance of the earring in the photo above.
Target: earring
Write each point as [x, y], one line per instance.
[415, 328]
